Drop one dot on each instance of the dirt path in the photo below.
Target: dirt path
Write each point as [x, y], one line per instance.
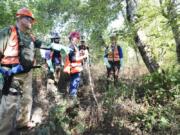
[93, 119]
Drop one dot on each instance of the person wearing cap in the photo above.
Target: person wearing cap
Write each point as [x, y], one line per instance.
[113, 58]
[75, 63]
[17, 46]
[53, 59]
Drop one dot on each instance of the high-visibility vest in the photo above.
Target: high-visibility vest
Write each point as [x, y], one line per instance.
[67, 67]
[11, 52]
[113, 55]
[74, 66]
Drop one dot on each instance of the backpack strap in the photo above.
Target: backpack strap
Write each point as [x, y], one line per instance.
[18, 35]
[19, 39]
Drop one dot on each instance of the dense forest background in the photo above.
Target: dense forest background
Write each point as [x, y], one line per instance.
[147, 99]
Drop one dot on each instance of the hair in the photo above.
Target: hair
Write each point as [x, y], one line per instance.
[74, 34]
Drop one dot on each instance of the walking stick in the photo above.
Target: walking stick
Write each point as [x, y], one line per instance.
[92, 84]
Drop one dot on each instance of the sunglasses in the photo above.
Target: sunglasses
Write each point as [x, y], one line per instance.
[30, 19]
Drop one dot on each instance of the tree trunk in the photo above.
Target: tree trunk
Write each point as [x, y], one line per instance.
[172, 17]
[171, 14]
[150, 63]
[176, 34]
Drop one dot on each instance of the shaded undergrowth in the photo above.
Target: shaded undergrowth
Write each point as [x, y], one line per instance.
[139, 105]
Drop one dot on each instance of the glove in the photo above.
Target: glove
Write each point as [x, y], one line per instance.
[121, 62]
[14, 70]
[107, 63]
[55, 46]
[17, 69]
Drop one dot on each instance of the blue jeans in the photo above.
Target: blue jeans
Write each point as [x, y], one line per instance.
[74, 84]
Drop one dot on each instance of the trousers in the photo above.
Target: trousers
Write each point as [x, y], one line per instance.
[15, 109]
[74, 84]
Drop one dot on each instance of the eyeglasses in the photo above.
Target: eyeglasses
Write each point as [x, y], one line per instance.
[30, 19]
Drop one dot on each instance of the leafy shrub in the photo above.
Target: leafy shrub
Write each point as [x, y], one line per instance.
[156, 119]
[160, 87]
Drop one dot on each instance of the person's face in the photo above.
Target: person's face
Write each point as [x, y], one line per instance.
[82, 43]
[113, 40]
[56, 40]
[75, 40]
[26, 22]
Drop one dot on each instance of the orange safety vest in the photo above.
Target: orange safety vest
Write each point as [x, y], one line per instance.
[67, 67]
[114, 55]
[11, 52]
[76, 67]
[72, 67]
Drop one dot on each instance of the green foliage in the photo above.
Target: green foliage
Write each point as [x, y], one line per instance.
[8, 9]
[58, 115]
[160, 87]
[156, 119]
[157, 29]
[58, 122]
[92, 17]
[62, 120]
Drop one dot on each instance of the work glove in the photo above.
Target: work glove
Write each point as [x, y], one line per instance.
[107, 63]
[16, 69]
[55, 46]
[122, 64]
